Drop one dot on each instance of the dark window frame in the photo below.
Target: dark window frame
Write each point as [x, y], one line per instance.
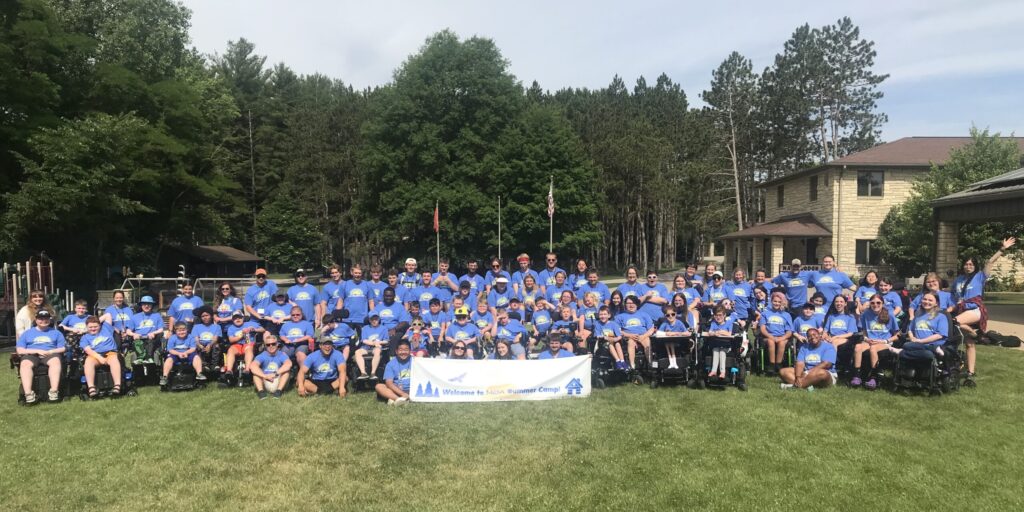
[867, 186]
[813, 188]
[780, 196]
[866, 253]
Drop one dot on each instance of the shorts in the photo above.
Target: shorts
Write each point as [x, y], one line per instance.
[238, 348]
[180, 360]
[323, 387]
[832, 373]
[38, 359]
[105, 355]
[290, 349]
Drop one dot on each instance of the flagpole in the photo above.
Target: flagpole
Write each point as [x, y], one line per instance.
[499, 228]
[438, 233]
[551, 217]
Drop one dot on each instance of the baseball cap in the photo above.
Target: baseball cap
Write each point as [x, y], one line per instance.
[261, 271]
[147, 299]
[43, 313]
[796, 262]
[300, 271]
[808, 305]
[462, 311]
[237, 314]
[717, 274]
[410, 260]
[326, 339]
[373, 315]
[501, 280]
[280, 293]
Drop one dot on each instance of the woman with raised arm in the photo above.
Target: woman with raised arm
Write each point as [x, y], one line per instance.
[970, 309]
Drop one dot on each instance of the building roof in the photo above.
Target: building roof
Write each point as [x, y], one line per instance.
[219, 254]
[804, 225]
[1004, 186]
[908, 152]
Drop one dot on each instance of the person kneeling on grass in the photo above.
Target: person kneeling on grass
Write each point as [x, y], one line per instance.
[326, 369]
[41, 345]
[373, 341]
[270, 369]
[555, 350]
[815, 364]
[100, 350]
[181, 348]
[397, 375]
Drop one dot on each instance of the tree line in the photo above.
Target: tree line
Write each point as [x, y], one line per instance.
[119, 140]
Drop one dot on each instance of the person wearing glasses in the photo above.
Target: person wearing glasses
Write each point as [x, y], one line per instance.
[465, 332]
[297, 336]
[715, 291]
[40, 345]
[524, 270]
[880, 331]
[226, 304]
[495, 272]
[459, 352]
[258, 296]
[673, 326]
[653, 297]
[546, 277]
[271, 369]
[183, 305]
[477, 283]
[305, 296]
[397, 374]
[326, 371]
[815, 365]
[419, 337]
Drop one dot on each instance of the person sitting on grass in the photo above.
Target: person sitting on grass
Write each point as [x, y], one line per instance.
[815, 364]
[878, 325]
[418, 337]
[776, 328]
[242, 336]
[459, 351]
[555, 350]
[326, 371]
[40, 345]
[397, 374]
[672, 326]
[100, 349]
[608, 330]
[271, 369]
[502, 351]
[147, 328]
[636, 329]
[929, 331]
[181, 348]
[374, 339]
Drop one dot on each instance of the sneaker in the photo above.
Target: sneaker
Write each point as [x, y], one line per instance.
[30, 397]
[53, 396]
[785, 386]
[262, 395]
[855, 382]
[277, 395]
[163, 381]
[401, 400]
[391, 402]
[374, 377]
[871, 384]
[362, 376]
[200, 376]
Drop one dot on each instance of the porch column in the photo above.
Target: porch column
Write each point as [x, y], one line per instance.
[778, 256]
[741, 258]
[946, 248]
[757, 252]
[728, 259]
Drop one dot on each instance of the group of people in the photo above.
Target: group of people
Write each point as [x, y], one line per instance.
[503, 315]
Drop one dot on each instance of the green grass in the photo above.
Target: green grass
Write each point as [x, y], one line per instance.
[625, 448]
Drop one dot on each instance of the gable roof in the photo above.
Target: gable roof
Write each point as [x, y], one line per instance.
[908, 152]
[219, 254]
[1005, 185]
[804, 225]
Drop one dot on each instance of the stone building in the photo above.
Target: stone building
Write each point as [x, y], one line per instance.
[836, 208]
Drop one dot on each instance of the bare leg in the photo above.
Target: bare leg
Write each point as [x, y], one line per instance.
[115, 369]
[54, 373]
[770, 342]
[26, 375]
[90, 371]
[375, 361]
[632, 353]
[385, 392]
[360, 363]
[858, 354]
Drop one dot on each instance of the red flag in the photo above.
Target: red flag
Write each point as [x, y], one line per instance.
[437, 226]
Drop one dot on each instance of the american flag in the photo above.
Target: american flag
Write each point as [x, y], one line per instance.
[551, 201]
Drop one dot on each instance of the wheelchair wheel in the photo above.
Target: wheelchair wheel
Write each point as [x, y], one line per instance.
[638, 380]
[701, 383]
[599, 383]
[654, 383]
[742, 386]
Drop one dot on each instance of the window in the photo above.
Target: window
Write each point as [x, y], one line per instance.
[870, 183]
[814, 188]
[866, 253]
[780, 191]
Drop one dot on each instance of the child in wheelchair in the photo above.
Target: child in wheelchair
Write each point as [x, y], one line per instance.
[100, 349]
[181, 349]
[673, 326]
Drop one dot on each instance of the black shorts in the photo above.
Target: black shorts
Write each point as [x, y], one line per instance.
[39, 359]
[323, 387]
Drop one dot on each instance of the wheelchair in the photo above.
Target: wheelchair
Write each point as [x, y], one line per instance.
[737, 365]
[182, 377]
[602, 365]
[660, 373]
[41, 381]
[929, 372]
[104, 381]
[353, 369]
[759, 364]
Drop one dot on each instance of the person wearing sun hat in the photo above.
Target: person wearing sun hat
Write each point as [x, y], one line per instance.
[147, 330]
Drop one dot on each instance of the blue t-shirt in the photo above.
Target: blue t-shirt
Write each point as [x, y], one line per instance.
[652, 310]
[476, 282]
[924, 327]
[463, 333]
[340, 336]
[399, 372]
[496, 299]
[813, 356]
[627, 289]
[391, 316]
[542, 321]
[634, 323]
[491, 276]
[377, 289]
[357, 300]
[324, 368]
[600, 289]
[182, 306]
[837, 325]
[863, 294]
[423, 294]
[529, 295]
[205, 334]
[802, 324]
[589, 317]
[607, 330]
[228, 307]
[37, 339]
[509, 331]
[829, 283]
[945, 300]
[741, 294]
[875, 329]
[233, 330]
[374, 334]
[435, 321]
[777, 323]
[101, 342]
[796, 286]
[519, 275]
[409, 281]
[146, 323]
[334, 290]
[892, 301]
[271, 363]
[728, 325]
[451, 283]
[561, 353]
[75, 322]
[963, 289]
[675, 326]
[715, 294]
[291, 331]
[120, 317]
[259, 297]
[482, 320]
[278, 311]
[305, 297]
[181, 344]
[554, 292]
[576, 281]
[560, 324]
[421, 343]
[547, 277]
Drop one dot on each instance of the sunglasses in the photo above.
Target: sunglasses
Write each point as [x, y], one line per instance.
[300, 275]
[877, 302]
[495, 266]
[417, 324]
[552, 261]
[225, 289]
[270, 344]
[670, 315]
[652, 277]
[261, 277]
[460, 348]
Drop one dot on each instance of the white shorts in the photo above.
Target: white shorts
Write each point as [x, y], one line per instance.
[835, 376]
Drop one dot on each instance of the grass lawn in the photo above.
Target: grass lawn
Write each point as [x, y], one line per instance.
[625, 448]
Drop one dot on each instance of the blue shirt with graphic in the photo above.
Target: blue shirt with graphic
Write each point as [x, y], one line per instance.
[291, 331]
[924, 327]
[205, 334]
[182, 306]
[271, 363]
[391, 316]
[259, 297]
[306, 298]
[796, 286]
[560, 354]
[399, 372]
[837, 325]
[101, 342]
[146, 323]
[813, 356]
[830, 283]
[777, 323]
[37, 339]
[875, 329]
[324, 368]
[120, 317]
[634, 323]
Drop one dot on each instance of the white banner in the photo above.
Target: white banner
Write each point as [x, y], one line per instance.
[450, 380]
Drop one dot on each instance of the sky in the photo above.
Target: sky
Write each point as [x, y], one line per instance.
[952, 63]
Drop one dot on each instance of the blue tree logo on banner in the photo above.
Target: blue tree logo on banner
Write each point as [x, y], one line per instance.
[574, 387]
[429, 391]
